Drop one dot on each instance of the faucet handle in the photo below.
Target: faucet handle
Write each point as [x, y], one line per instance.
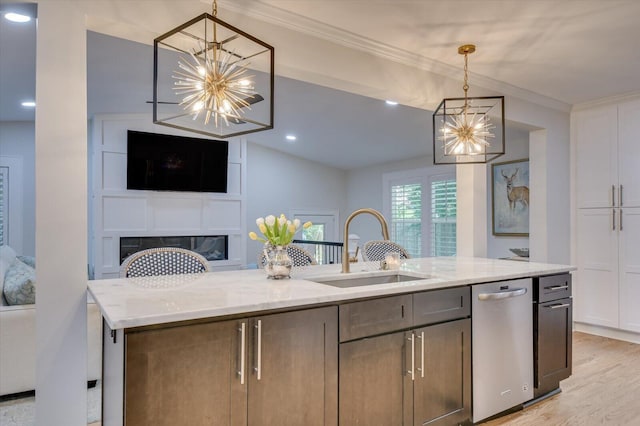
[354, 258]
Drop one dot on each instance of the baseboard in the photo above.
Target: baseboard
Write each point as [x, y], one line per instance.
[30, 393]
[612, 333]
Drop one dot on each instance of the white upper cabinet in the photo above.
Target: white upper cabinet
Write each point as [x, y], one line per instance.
[629, 154]
[596, 134]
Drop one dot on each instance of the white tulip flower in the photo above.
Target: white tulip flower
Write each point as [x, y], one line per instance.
[270, 220]
[259, 221]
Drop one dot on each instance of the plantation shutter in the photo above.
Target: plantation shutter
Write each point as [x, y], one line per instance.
[406, 217]
[4, 172]
[443, 217]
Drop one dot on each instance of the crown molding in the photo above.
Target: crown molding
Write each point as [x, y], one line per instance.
[302, 24]
[616, 99]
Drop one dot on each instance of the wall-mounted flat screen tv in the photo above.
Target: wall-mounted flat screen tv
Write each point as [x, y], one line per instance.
[175, 163]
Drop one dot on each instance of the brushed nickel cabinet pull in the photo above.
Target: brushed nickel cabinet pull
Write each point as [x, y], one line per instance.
[621, 219]
[613, 227]
[557, 287]
[613, 195]
[258, 367]
[243, 347]
[620, 195]
[421, 337]
[413, 356]
[561, 305]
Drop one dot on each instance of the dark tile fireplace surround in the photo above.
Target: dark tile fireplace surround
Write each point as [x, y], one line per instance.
[212, 247]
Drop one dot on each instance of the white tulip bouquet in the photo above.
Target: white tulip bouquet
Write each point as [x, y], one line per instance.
[277, 231]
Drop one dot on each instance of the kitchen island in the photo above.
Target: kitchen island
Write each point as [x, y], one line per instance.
[236, 348]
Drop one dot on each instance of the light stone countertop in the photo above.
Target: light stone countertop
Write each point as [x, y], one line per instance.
[135, 302]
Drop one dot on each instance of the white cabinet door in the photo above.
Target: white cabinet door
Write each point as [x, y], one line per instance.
[629, 238]
[629, 153]
[596, 135]
[596, 287]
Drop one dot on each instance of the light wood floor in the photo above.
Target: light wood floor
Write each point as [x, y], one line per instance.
[603, 390]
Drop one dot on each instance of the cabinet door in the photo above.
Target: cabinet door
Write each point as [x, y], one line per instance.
[442, 385]
[295, 369]
[552, 344]
[373, 379]
[630, 269]
[596, 288]
[595, 141]
[185, 375]
[629, 153]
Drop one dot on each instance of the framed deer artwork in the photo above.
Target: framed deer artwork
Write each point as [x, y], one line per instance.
[510, 198]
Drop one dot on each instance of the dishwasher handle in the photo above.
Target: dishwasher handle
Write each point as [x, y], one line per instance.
[515, 292]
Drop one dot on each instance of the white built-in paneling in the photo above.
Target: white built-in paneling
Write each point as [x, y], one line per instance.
[118, 212]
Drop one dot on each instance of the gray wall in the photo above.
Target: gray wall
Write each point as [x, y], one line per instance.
[17, 139]
[278, 183]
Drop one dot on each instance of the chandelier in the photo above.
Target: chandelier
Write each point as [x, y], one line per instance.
[212, 78]
[469, 129]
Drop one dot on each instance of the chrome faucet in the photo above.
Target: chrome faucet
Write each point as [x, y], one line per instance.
[345, 246]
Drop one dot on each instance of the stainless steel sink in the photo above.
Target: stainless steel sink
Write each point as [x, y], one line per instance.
[362, 281]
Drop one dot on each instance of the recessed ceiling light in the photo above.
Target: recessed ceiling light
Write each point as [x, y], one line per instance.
[29, 104]
[391, 102]
[291, 137]
[16, 17]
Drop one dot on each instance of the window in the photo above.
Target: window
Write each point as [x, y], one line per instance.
[421, 208]
[406, 217]
[443, 217]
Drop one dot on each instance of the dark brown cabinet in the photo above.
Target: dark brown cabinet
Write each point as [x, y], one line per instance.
[442, 378]
[408, 377]
[278, 369]
[553, 322]
[184, 375]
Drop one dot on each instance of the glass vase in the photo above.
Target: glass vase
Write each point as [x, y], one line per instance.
[279, 263]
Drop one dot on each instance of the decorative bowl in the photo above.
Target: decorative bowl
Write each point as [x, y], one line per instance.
[522, 252]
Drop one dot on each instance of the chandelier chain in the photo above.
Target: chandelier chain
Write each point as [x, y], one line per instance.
[215, 8]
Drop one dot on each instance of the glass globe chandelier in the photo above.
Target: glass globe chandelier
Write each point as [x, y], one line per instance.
[212, 78]
[469, 129]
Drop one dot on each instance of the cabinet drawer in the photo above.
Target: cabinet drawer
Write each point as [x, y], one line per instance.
[370, 317]
[552, 287]
[435, 306]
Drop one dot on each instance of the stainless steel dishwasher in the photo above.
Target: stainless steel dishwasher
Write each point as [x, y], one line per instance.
[502, 346]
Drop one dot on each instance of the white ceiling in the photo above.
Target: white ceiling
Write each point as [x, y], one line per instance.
[572, 51]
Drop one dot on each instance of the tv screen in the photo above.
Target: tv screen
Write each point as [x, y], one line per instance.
[174, 163]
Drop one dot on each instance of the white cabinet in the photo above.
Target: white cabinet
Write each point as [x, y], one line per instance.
[607, 158]
[629, 154]
[596, 289]
[629, 273]
[596, 134]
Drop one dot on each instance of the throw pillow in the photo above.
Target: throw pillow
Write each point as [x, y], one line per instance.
[7, 256]
[20, 284]
[29, 260]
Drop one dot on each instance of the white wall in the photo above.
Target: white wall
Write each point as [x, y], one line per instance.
[279, 183]
[61, 215]
[517, 148]
[17, 140]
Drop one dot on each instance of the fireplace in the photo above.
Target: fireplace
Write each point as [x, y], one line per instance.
[212, 247]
